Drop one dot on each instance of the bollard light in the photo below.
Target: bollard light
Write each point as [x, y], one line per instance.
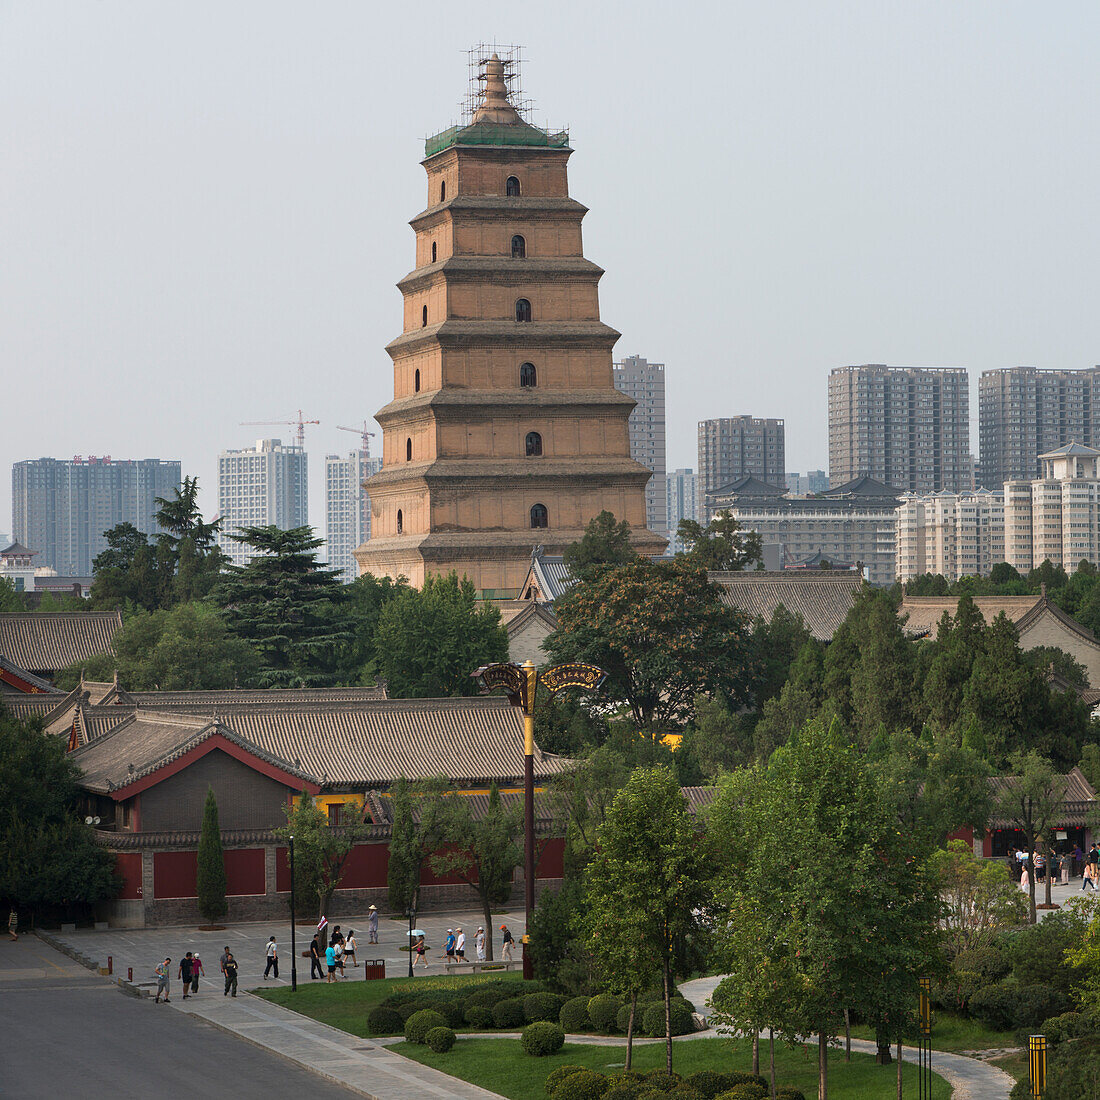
[110, 964]
[1037, 1064]
[130, 974]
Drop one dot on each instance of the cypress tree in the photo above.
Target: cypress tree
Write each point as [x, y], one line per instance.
[211, 876]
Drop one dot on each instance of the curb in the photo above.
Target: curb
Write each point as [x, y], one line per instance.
[124, 986]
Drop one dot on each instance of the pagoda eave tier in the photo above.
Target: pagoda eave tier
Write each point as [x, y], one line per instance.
[496, 545]
[506, 333]
[450, 403]
[496, 208]
[498, 472]
[503, 271]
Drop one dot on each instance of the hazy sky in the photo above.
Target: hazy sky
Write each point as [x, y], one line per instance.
[203, 206]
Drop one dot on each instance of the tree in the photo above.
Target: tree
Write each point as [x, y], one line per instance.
[418, 831]
[289, 609]
[49, 859]
[179, 516]
[429, 641]
[644, 887]
[357, 661]
[800, 699]
[662, 634]
[320, 850]
[211, 865]
[604, 542]
[483, 851]
[10, 600]
[720, 545]
[716, 741]
[1031, 800]
[1049, 658]
[775, 645]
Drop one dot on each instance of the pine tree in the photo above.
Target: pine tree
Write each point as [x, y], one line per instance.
[211, 876]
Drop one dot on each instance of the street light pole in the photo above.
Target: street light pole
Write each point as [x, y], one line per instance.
[411, 914]
[531, 675]
[293, 945]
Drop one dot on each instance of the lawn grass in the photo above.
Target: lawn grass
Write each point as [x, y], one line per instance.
[954, 1033]
[501, 1066]
[345, 1005]
[1015, 1065]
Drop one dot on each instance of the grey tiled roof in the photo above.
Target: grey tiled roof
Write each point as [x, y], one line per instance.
[1077, 803]
[43, 686]
[188, 700]
[49, 641]
[822, 597]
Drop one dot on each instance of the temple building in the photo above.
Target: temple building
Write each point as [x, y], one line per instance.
[505, 429]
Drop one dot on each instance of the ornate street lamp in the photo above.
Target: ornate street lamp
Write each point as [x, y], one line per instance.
[522, 684]
[293, 946]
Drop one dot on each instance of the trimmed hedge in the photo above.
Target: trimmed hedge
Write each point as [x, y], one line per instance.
[653, 1023]
[747, 1091]
[509, 1014]
[789, 1092]
[602, 1010]
[406, 1009]
[585, 1085]
[659, 1079]
[542, 1038]
[451, 1011]
[708, 1083]
[479, 1016]
[542, 1006]
[556, 1076]
[420, 1023]
[384, 1021]
[574, 1015]
[684, 1091]
[624, 1091]
[440, 1039]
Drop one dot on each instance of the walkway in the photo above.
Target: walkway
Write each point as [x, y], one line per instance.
[970, 1078]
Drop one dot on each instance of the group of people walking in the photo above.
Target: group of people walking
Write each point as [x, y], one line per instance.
[189, 970]
[1061, 865]
[337, 954]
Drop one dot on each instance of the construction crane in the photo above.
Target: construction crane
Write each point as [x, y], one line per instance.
[300, 422]
[363, 433]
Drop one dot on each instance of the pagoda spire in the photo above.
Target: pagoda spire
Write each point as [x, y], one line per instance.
[495, 105]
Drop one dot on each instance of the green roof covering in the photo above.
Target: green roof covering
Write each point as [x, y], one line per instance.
[490, 133]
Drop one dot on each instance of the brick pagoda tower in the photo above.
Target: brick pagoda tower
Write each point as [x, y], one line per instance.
[505, 430]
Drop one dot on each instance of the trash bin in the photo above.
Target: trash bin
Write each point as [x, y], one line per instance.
[374, 969]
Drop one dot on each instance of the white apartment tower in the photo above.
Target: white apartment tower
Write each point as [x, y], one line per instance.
[260, 487]
[683, 500]
[956, 534]
[645, 382]
[347, 508]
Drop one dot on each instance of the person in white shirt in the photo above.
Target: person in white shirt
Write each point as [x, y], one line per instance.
[460, 945]
[479, 940]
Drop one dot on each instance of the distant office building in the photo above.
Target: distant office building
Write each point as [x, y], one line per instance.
[736, 447]
[63, 507]
[347, 508]
[853, 524]
[907, 427]
[956, 534]
[683, 500]
[645, 382]
[802, 485]
[1024, 412]
[259, 487]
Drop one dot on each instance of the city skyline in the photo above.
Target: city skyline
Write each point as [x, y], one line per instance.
[152, 164]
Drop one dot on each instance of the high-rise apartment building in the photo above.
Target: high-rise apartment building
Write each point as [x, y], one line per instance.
[1024, 412]
[804, 485]
[740, 446]
[953, 534]
[62, 508]
[683, 500]
[908, 427]
[260, 487]
[645, 382]
[347, 508]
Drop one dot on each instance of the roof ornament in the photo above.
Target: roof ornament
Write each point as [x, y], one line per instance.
[495, 105]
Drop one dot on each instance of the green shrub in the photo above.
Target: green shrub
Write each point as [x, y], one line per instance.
[542, 1038]
[479, 1016]
[748, 1091]
[789, 1092]
[508, 1014]
[659, 1079]
[622, 1019]
[602, 1010]
[406, 1009]
[681, 997]
[653, 1023]
[574, 1015]
[684, 1091]
[420, 1023]
[708, 1083]
[1060, 1028]
[384, 1021]
[1073, 1070]
[556, 1076]
[995, 1006]
[542, 1006]
[451, 1011]
[440, 1039]
[586, 1085]
[626, 1090]
[1036, 1003]
[493, 992]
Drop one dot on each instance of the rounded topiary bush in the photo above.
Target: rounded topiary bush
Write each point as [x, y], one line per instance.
[542, 1006]
[440, 1039]
[574, 1015]
[1036, 1003]
[748, 1091]
[789, 1092]
[542, 1038]
[409, 1007]
[559, 1074]
[451, 1011]
[585, 1085]
[384, 1021]
[509, 1013]
[420, 1023]
[662, 1081]
[708, 1083]
[602, 1010]
[680, 997]
[627, 1090]
[479, 1016]
[995, 1006]
[653, 1023]
[684, 1091]
[495, 992]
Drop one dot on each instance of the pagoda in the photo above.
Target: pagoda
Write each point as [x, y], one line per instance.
[505, 430]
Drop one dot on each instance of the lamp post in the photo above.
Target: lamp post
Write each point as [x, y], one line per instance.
[522, 684]
[293, 945]
[411, 914]
[924, 1051]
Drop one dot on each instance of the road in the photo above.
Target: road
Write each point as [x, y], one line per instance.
[66, 1032]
